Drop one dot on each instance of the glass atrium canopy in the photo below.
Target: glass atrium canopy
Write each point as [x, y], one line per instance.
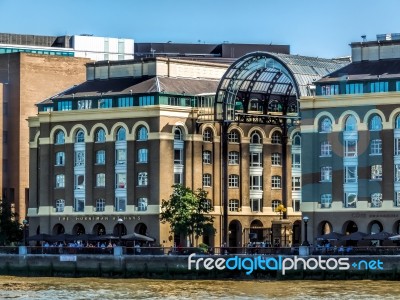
[262, 87]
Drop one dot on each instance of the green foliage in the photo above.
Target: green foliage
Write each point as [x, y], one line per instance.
[187, 212]
[10, 230]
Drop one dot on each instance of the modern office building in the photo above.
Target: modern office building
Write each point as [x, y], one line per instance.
[26, 79]
[113, 146]
[351, 144]
[87, 46]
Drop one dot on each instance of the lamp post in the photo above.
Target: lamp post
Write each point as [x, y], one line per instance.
[120, 221]
[305, 242]
[25, 223]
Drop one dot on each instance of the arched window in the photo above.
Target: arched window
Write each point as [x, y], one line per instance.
[255, 138]
[121, 134]
[207, 135]
[142, 134]
[276, 138]
[60, 204]
[297, 139]
[233, 136]
[178, 134]
[59, 137]
[397, 125]
[375, 123]
[80, 136]
[351, 124]
[100, 136]
[325, 125]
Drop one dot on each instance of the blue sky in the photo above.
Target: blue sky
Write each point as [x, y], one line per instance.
[313, 28]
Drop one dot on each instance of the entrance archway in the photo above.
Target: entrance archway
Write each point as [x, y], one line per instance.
[349, 227]
[99, 229]
[256, 231]
[58, 229]
[235, 234]
[78, 229]
[141, 228]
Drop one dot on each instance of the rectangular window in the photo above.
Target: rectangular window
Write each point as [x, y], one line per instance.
[255, 205]
[60, 158]
[276, 182]
[120, 156]
[178, 178]
[178, 156]
[84, 104]
[376, 172]
[233, 181]
[296, 160]
[79, 204]
[296, 183]
[376, 147]
[397, 173]
[326, 174]
[350, 174]
[206, 157]
[326, 149]
[354, 88]
[326, 200]
[379, 86]
[207, 180]
[255, 159]
[143, 155]
[256, 183]
[332, 89]
[120, 204]
[233, 205]
[60, 181]
[120, 180]
[105, 103]
[296, 205]
[396, 199]
[100, 157]
[100, 180]
[146, 100]
[142, 204]
[397, 146]
[142, 179]
[276, 159]
[350, 148]
[100, 205]
[350, 200]
[79, 182]
[64, 105]
[79, 158]
[125, 101]
[233, 158]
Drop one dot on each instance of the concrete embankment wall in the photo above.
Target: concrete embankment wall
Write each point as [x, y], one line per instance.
[176, 267]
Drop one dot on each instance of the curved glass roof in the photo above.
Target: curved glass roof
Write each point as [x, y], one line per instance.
[262, 83]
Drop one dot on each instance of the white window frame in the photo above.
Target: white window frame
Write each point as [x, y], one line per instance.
[350, 174]
[326, 174]
[326, 149]
[376, 200]
[142, 204]
[376, 172]
[255, 204]
[233, 181]
[100, 180]
[60, 158]
[79, 204]
[120, 204]
[296, 183]
[100, 157]
[350, 148]
[207, 180]
[60, 181]
[233, 204]
[100, 205]
[233, 158]
[276, 159]
[60, 205]
[143, 179]
[326, 200]
[276, 182]
[120, 180]
[207, 157]
[256, 159]
[376, 147]
[143, 156]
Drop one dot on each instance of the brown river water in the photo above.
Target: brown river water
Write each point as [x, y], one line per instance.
[100, 288]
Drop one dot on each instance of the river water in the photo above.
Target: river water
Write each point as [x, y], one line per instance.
[99, 288]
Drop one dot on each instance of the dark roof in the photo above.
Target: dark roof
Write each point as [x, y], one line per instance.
[123, 86]
[365, 70]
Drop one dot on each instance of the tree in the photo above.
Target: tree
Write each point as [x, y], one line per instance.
[10, 229]
[187, 212]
